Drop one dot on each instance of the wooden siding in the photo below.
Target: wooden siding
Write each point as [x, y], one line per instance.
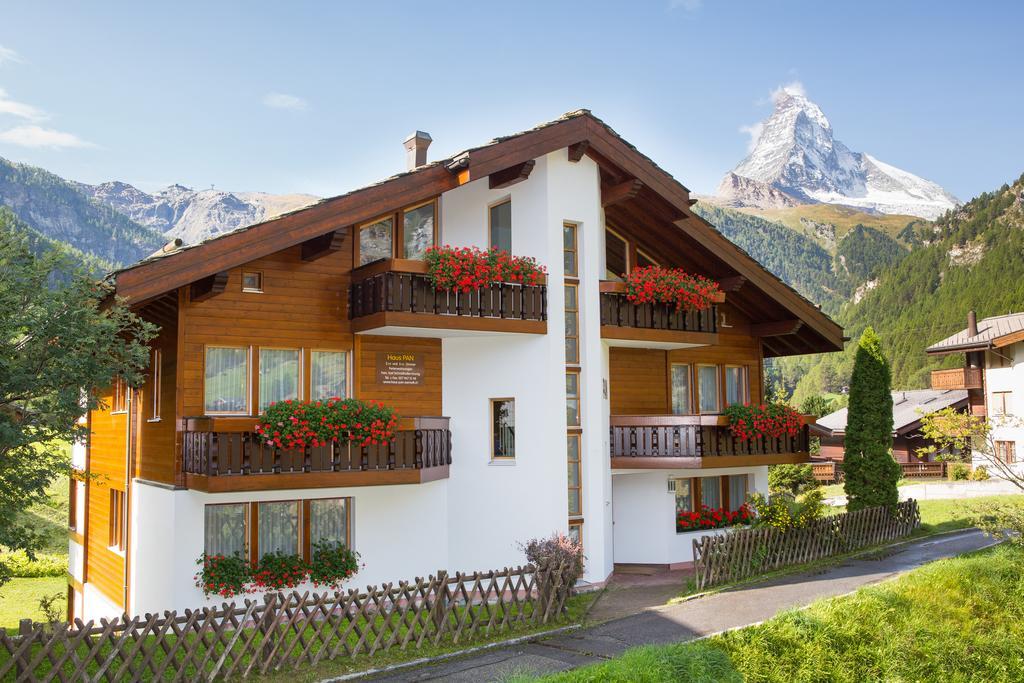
[104, 568]
[154, 456]
[409, 401]
[639, 378]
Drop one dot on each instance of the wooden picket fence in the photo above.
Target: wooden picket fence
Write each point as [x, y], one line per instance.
[744, 553]
[288, 631]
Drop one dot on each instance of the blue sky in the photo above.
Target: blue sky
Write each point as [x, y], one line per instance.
[317, 97]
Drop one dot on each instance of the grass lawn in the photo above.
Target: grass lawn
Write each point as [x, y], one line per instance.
[960, 619]
[19, 599]
[833, 490]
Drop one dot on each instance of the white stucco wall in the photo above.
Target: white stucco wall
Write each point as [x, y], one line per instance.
[644, 511]
[1011, 379]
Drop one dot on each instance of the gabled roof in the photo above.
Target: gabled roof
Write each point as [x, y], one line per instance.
[907, 409]
[162, 273]
[994, 332]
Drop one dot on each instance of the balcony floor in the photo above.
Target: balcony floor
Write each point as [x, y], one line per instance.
[313, 480]
[396, 324]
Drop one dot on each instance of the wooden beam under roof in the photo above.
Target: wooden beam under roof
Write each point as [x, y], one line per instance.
[209, 286]
[577, 150]
[731, 284]
[511, 175]
[323, 245]
[776, 328]
[611, 195]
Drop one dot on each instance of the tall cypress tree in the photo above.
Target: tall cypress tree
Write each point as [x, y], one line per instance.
[870, 471]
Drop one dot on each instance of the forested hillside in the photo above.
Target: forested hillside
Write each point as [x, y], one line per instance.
[39, 243]
[57, 210]
[972, 257]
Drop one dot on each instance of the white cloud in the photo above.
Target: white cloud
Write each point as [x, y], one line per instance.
[19, 109]
[754, 132]
[9, 55]
[34, 136]
[791, 88]
[688, 5]
[277, 100]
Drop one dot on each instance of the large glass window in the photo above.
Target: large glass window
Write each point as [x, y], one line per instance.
[503, 428]
[226, 380]
[616, 257]
[681, 389]
[736, 391]
[501, 226]
[417, 231]
[279, 528]
[279, 376]
[575, 488]
[327, 374]
[707, 388]
[328, 521]
[225, 529]
[572, 324]
[375, 240]
[737, 491]
[572, 399]
[711, 492]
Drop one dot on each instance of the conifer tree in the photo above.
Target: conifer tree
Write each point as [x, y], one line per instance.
[870, 471]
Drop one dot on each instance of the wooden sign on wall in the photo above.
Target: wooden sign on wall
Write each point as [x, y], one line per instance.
[400, 368]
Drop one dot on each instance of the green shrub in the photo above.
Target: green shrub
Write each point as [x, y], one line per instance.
[792, 479]
[45, 564]
[782, 511]
[1000, 519]
[959, 471]
[979, 473]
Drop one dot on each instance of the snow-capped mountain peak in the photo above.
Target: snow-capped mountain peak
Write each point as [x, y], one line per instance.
[797, 154]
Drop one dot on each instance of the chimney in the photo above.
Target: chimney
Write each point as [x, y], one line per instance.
[972, 324]
[416, 149]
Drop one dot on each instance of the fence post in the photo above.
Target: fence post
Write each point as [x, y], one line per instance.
[440, 599]
[26, 632]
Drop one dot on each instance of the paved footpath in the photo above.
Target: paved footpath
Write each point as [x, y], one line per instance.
[692, 619]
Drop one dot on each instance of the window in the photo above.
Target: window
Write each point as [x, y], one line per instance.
[681, 389]
[736, 388]
[707, 388]
[572, 398]
[711, 492]
[575, 487]
[1006, 452]
[643, 260]
[156, 375]
[576, 532]
[503, 428]
[279, 376]
[501, 226]
[278, 528]
[737, 491]
[327, 375]
[1000, 402]
[572, 324]
[226, 380]
[72, 503]
[117, 521]
[570, 256]
[328, 521]
[225, 529]
[684, 497]
[119, 396]
[252, 281]
[616, 256]
[375, 240]
[418, 230]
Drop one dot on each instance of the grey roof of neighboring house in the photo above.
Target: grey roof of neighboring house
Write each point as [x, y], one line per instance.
[989, 330]
[907, 408]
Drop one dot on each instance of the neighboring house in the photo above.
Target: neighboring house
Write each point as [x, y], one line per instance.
[993, 375]
[566, 407]
[908, 443]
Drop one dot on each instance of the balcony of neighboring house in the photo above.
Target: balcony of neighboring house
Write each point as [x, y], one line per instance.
[697, 442]
[654, 325]
[226, 454]
[957, 378]
[396, 296]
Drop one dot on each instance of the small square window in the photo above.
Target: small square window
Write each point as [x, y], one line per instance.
[252, 281]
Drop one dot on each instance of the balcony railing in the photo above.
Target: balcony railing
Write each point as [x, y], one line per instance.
[618, 312]
[665, 441]
[957, 378]
[401, 288]
[219, 453]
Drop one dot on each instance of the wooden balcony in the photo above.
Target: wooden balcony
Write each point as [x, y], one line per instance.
[224, 454]
[653, 325]
[957, 378]
[696, 442]
[397, 294]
